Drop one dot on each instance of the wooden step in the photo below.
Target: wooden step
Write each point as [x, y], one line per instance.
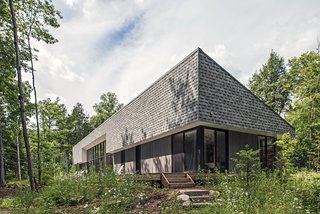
[174, 175]
[195, 192]
[178, 180]
[200, 198]
[181, 185]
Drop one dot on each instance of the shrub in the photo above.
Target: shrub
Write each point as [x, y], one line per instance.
[110, 193]
[306, 184]
[248, 164]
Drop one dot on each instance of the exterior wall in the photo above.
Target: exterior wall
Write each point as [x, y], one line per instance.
[156, 156]
[224, 100]
[130, 160]
[237, 142]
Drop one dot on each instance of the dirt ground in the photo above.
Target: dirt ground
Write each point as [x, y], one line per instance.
[6, 192]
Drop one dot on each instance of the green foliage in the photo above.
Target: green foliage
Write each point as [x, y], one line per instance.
[7, 203]
[266, 194]
[107, 106]
[248, 164]
[114, 194]
[305, 116]
[295, 95]
[307, 187]
[171, 206]
[269, 84]
[79, 124]
[287, 154]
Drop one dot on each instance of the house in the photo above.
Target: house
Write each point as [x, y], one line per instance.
[197, 115]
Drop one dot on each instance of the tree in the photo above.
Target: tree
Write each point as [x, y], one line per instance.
[269, 84]
[304, 77]
[21, 97]
[34, 17]
[107, 106]
[248, 164]
[79, 124]
[287, 153]
[54, 132]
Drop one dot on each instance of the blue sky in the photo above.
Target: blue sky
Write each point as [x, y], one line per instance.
[124, 46]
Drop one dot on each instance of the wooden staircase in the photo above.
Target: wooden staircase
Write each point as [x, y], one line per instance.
[177, 180]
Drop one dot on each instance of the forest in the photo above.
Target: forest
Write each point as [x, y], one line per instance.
[37, 136]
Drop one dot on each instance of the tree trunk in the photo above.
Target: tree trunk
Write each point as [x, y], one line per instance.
[2, 173]
[18, 151]
[36, 108]
[21, 98]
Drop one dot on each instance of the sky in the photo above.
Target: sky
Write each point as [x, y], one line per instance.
[123, 46]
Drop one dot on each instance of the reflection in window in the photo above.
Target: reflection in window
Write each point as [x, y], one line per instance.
[190, 140]
[221, 151]
[262, 143]
[270, 152]
[267, 151]
[209, 150]
[96, 152]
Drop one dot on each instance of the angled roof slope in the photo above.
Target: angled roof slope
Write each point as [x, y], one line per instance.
[168, 103]
[224, 100]
[196, 89]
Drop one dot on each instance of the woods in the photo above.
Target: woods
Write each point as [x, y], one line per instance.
[47, 129]
[37, 133]
[292, 90]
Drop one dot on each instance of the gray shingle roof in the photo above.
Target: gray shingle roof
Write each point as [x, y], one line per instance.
[196, 89]
[224, 100]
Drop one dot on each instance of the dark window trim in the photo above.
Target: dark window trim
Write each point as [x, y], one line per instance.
[226, 143]
[138, 159]
[123, 159]
[264, 163]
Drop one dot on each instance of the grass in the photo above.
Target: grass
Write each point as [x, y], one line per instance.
[267, 193]
[93, 193]
[99, 193]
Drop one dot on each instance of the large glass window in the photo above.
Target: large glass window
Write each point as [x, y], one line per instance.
[221, 160]
[209, 148]
[190, 143]
[96, 152]
[267, 151]
[270, 152]
[262, 145]
[177, 153]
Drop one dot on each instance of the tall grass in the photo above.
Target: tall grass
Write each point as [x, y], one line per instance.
[267, 193]
[95, 192]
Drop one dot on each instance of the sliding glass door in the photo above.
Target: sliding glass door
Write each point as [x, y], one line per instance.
[184, 155]
[215, 149]
[209, 148]
[190, 143]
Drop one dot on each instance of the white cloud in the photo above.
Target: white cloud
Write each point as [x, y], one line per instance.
[70, 2]
[91, 59]
[54, 96]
